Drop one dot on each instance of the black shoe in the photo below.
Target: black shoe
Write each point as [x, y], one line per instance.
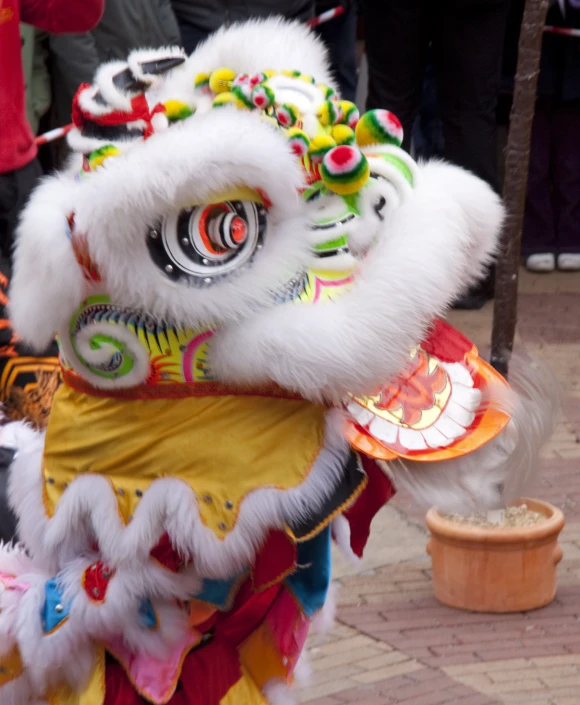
[475, 298]
[470, 302]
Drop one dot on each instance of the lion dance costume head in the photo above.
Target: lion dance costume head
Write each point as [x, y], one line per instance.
[245, 278]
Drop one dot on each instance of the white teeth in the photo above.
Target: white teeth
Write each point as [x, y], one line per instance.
[449, 428]
[383, 430]
[359, 413]
[459, 414]
[458, 373]
[411, 439]
[469, 399]
[435, 439]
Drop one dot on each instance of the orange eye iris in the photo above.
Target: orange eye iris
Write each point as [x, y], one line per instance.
[238, 230]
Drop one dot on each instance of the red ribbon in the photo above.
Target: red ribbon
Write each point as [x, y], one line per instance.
[139, 111]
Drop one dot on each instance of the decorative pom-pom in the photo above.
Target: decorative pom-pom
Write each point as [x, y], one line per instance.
[177, 110]
[244, 94]
[257, 78]
[350, 113]
[299, 141]
[344, 170]
[220, 80]
[228, 98]
[307, 79]
[379, 127]
[288, 115]
[343, 134]
[319, 146]
[327, 91]
[263, 96]
[269, 73]
[240, 79]
[97, 157]
[291, 73]
[329, 113]
[201, 80]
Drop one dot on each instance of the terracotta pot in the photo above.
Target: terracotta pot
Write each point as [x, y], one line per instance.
[496, 569]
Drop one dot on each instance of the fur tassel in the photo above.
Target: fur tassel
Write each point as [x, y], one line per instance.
[277, 692]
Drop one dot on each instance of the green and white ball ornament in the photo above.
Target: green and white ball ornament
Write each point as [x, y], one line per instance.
[263, 96]
[379, 127]
[299, 141]
[287, 114]
[319, 146]
[350, 113]
[329, 113]
[344, 170]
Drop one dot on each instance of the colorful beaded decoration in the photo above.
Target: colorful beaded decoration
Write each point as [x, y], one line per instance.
[344, 170]
[379, 127]
[331, 153]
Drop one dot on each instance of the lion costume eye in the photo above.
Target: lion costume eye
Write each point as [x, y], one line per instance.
[202, 243]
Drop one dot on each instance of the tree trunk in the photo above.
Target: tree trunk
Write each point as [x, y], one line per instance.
[516, 180]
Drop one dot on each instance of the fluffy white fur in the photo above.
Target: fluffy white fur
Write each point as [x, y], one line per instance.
[88, 511]
[251, 47]
[438, 242]
[141, 56]
[502, 470]
[277, 692]
[45, 268]
[341, 534]
[117, 206]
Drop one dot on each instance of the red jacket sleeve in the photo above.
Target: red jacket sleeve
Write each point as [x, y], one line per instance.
[61, 16]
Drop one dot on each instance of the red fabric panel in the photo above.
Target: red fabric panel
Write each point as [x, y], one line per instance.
[276, 558]
[446, 343]
[207, 675]
[166, 555]
[377, 493]
[61, 16]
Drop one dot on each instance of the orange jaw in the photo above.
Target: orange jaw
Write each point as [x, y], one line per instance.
[417, 398]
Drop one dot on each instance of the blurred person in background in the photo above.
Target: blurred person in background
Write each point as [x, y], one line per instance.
[339, 35]
[125, 25]
[26, 381]
[551, 234]
[466, 39]
[36, 75]
[199, 18]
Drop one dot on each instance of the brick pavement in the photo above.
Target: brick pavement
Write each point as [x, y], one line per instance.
[394, 644]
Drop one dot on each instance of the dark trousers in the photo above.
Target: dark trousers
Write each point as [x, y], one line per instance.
[339, 35]
[191, 35]
[466, 38]
[552, 215]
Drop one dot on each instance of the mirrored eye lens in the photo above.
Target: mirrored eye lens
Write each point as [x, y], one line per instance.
[228, 231]
[208, 241]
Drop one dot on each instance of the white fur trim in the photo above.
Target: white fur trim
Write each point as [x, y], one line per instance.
[88, 511]
[277, 692]
[256, 45]
[45, 267]
[103, 82]
[141, 56]
[84, 145]
[188, 165]
[325, 619]
[16, 692]
[341, 534]
[438, 242]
